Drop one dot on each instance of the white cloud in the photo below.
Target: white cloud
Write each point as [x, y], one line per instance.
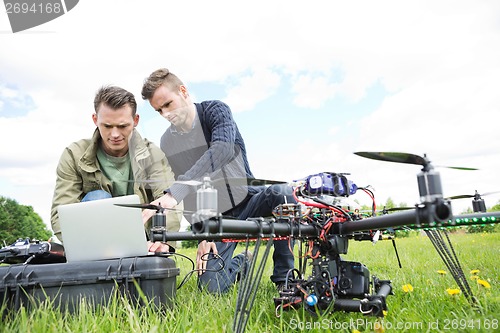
[7, 93]
[252, 89]
[313, 92]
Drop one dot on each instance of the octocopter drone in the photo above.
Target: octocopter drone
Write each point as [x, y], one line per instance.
[323, 227]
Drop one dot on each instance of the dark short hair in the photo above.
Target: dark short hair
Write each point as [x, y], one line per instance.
[159, 77]
[115, 97]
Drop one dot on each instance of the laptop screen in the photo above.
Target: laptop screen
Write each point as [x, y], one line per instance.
[95, 230]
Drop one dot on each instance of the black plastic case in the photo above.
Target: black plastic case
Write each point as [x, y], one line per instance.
[96, 281]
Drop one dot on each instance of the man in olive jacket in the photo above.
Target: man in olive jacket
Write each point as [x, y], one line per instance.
[116, 161]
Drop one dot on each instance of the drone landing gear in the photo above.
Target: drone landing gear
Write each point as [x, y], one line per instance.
[249, 284]
[447, 253]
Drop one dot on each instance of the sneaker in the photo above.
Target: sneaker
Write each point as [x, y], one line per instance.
[248, 259]
[248, 255]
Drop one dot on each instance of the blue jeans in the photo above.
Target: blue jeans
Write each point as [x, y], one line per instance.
[261, 203]
[96, 195]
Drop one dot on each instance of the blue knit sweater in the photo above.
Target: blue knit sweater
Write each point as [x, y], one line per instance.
[213, 147]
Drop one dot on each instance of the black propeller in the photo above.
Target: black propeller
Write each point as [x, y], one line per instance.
[394, 157]
[394, 209]
[158, 208]
[478, 204]
[233, 181]
[468, 196]
[403, 158]
[153, 181]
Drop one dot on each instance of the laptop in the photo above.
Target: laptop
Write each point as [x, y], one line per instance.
[96, 230]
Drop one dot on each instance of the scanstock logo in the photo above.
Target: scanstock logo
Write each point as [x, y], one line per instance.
[26, 14]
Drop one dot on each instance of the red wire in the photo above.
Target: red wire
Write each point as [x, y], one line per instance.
[312, 204]
[372, 197]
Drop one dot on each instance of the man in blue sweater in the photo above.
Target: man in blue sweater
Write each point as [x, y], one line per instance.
[203, 139]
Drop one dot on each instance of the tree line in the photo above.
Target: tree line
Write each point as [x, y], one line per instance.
[20, 221]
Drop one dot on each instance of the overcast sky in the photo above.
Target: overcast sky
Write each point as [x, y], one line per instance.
[309, 83]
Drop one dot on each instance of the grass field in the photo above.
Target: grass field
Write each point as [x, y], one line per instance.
[427, 308]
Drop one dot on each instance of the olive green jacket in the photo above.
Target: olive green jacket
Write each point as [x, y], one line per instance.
[79, 172]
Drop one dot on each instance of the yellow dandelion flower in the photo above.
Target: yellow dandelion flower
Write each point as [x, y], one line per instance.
[407, 288]
[384, 312]
[474, 271]
[484, 283]
[378, 327]
[355, 331]
[441, 272]
[453, 291]
[474, 277]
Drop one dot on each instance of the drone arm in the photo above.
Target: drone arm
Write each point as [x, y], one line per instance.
[252, 227]
[422, 216]
[216, 228]
[425, 215]
[188, 235]
[476, 219]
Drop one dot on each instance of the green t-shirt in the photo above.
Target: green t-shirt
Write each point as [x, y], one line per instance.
[118, 171]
